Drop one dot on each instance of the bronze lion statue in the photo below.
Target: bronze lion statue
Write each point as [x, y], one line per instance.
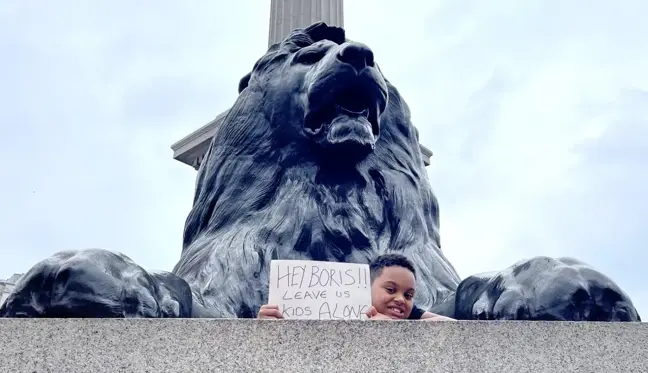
[317, 159]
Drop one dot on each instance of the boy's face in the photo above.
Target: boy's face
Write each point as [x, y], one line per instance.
[392, 292]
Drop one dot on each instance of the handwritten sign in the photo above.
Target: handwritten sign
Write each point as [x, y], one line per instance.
[305, 289]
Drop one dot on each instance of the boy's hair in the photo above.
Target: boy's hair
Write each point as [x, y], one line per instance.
[389, 260]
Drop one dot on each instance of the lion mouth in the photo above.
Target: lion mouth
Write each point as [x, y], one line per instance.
[351, 119]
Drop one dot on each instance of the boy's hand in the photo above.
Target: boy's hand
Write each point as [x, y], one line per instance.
[373, 314]
[269, 311]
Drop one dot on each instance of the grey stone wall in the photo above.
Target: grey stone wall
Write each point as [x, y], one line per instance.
[144, 345]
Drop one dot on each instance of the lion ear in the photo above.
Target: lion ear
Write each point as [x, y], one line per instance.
[243, 83]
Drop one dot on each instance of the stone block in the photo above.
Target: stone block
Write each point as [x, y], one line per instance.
[210, 345]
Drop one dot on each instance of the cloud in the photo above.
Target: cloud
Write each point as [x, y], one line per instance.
[535, 110]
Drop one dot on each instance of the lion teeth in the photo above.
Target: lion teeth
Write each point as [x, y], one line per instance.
[364, 113]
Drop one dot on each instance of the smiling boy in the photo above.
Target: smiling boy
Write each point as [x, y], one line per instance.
[393, 286]
[393, 282]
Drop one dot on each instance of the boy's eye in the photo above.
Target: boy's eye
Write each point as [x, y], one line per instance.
[389, 290]
[409, 296]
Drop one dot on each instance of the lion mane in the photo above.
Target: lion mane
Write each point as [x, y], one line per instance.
[267, 191]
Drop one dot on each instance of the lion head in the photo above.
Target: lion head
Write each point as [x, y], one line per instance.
[338, 93]
[317, 159]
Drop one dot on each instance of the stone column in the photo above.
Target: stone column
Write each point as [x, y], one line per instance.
[287, 15]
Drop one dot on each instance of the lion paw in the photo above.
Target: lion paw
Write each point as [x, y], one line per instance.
[96, 283]
[544, 289]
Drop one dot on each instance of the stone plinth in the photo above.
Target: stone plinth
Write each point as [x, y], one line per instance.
[200, 345]
[287, 15]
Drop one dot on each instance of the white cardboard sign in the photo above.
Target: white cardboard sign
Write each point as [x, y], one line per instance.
[306, 289]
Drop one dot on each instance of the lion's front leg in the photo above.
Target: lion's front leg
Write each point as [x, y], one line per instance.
[225, 283]
[543, 289]
[96, 283]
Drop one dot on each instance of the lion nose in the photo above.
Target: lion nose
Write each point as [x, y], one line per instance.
[357, 55]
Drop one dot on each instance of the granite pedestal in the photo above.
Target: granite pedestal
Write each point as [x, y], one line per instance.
[202, 345]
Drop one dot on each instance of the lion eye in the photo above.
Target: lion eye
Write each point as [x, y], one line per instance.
[309, 56]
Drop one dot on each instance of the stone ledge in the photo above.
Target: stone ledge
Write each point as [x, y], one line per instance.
[200, 345]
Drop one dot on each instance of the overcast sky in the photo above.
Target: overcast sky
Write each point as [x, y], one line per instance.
[536, 110]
